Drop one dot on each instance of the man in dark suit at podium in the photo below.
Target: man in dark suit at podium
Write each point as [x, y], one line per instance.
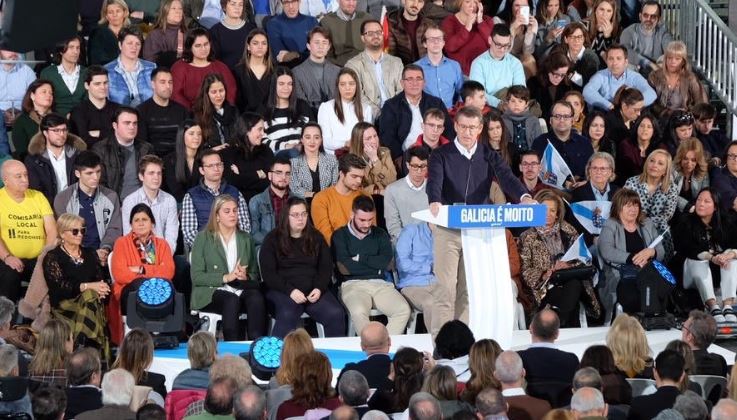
[461, 172]
[375, 342]
[542, 360]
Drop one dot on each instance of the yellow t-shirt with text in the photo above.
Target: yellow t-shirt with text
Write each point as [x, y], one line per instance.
[21, 224]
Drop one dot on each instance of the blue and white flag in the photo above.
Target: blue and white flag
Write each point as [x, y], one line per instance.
[591, 214]
[555, 170]
[578, 251]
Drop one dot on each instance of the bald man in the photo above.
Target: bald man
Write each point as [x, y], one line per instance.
[26, 225]
[375, 342]
[588, 403]
[543, 361]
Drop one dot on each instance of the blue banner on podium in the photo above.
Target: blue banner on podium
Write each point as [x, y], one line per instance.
[501, 216]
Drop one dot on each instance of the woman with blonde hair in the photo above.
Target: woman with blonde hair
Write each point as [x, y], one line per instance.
[381, 170]
[135, 354]
[603, 27]
[675, 83]
[628, 343]
[102, 46]
[225, 274]
[690, 171]
[657, 193]
[481, 361]
[55, 343]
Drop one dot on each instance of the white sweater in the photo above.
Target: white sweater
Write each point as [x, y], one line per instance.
[334, 133]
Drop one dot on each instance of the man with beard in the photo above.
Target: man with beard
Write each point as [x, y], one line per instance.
[363, 253]
[406, 27]
[160, 116]
[646, 40]
[266, 206]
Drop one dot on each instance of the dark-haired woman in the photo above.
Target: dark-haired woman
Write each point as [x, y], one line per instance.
[285, 114]
[297, 268]
[708, 240]
[254, 73]
[213, 113]
[644, 137]
[616, 388]
[181, 167]
[38, 101]
[247, 160]
[577, 48]
[594, 128]
[338, 115]
[67, 75]
[313, 169]
[496, 136]
[552, 82]
[678, 127]
[408, 368]
[129, 76]
[628, 104]
[196, 63]
[603, 26]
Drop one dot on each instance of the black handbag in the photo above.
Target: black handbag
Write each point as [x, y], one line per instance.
[581, 272]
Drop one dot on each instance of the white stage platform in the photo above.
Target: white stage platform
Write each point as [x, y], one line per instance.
[575, 340]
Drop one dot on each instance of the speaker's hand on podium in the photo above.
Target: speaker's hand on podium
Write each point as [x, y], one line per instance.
[527, 199]
[435, 208]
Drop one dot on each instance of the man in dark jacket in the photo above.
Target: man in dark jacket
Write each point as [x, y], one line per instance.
[375, 342]
[120, 153]
[51, 154]
[406, 26]
[401, 116]
[699, 332]
[668, 374]
[84, 375]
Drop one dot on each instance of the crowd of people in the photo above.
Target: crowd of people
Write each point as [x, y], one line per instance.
[266, 157]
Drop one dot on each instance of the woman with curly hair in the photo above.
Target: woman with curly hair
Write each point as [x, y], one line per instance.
[628, 343]
[311, 387]
[406, 378]
[481, 361]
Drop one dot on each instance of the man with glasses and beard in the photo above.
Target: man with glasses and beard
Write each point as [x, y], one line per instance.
[266, 206]
[646, 40]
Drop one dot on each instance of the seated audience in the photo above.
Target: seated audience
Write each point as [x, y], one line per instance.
[296, 343]
[724, 180]
[225, 274]
[626, 339]
[246, 160]
[624, 247]
[510, 372]
[331, 208]
[603, 26]
[21, 242]
[117, 393]
[198, 201]
[668, 374]
[552, 82]
[151, 411]
[51, 154]
[315, 78]
[647, 40]
[84, 375]
[20, 400]
[285, 115]
[599, 175]
[16, 77]
[627, 106]
[92, 118]
[201, 352]
[524, 31]
[407, 195]
[467, 31]
[676, 85]
[218, 402]
[472, 94]
[699, 333]
[542, 360]
[338, 115]
[67, 74]
[165, 42]
[311, 387]
[444, 74]
[588, 402]
[53, 347]
[601, 90]
[375, 343]
[37, 103]
[130, 75]
[213, 113]
[441, 383]
[575, 98]
[381, 171]
[712, 138]
[362, 256]
[522, 125]
[594, 128]
[414, 265]
[49, 402]
[481, 359]
[313, 169]
[658, 193]
[635, 146]
[576, 47]
[296, 267]
[724, 410]
[135, 355]
[354, 391]
[678, 128]
[181, 167]
[598, 361]
[229, 35]
[691, 405]
[102, 46]
[529, 167]
[160, 116]
[228, 366]
[498, 69]
[372, 62]
[573, 147]
[540, 248]
[689, 365]
[346, 26]
[76, 285]
[406, 26]
[254, 74]
[394, 395]
[120, 153]
[551, 21]
[249, 404]
[491, 402]
[498, 136]
[433, 124]
[452, 345]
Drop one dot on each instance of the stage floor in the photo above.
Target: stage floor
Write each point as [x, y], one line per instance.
[347, 349]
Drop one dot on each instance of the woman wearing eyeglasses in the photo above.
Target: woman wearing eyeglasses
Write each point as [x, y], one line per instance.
[76, 289]
[552, 82]
[297, 268]
[576, 47]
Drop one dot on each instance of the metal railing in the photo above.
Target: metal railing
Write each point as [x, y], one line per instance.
[712, 46]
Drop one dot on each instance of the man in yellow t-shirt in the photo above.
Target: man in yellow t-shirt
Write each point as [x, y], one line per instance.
[26, 225]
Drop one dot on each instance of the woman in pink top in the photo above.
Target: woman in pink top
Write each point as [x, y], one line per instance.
[196, 63]
[467, 33]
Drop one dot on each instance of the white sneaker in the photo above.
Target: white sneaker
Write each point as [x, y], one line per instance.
[729, 314]
[718, 315]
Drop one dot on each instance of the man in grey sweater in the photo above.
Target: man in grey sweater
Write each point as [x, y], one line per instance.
[315, 77]
[407, 195]
[647, 40]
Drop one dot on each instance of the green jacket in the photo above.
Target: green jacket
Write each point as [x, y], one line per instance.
[209, 264]
[63, 98]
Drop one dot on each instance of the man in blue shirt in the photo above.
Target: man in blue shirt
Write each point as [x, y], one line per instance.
[443, 76]
[599, 92]
[415, 268]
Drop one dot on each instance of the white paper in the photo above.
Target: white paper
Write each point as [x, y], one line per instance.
[659, 239]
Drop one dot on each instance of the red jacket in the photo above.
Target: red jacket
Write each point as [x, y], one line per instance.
[462, 45]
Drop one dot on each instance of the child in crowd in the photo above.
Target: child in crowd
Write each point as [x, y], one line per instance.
[521, 123]
[713, 139]
[472, 94]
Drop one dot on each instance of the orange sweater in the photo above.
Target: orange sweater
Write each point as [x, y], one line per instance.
[332, 210]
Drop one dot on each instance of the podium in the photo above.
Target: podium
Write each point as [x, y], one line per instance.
[484, 243]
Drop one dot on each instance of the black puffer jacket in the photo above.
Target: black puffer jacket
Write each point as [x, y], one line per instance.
[41, 175]
[113, 160]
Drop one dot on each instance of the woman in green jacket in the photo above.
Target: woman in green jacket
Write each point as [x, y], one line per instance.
[225, 274]
[39, 101]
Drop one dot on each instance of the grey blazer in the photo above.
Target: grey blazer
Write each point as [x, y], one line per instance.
[301, 181]
[696, 186]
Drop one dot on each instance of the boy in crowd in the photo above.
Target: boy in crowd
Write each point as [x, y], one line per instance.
[521, 124]
[713, 139]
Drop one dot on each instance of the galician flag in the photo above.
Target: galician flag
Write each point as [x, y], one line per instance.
[555, 170]
[578, 251]
[591, 214]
